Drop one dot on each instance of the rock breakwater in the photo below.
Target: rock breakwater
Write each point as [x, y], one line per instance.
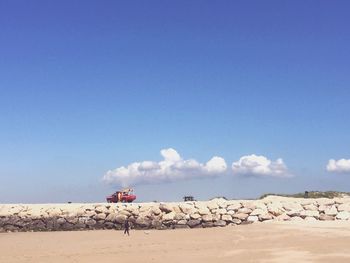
[214, 213]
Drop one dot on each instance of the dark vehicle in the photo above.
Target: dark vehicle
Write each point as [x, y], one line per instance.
[124, 196]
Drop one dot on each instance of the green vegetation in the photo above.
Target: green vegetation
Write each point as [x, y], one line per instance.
[311, 194]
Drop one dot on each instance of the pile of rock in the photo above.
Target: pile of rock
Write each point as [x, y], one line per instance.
[218, 212]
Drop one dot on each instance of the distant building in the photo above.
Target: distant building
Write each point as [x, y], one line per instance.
[188, 198]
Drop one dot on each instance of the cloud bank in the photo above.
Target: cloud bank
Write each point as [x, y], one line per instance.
[338, 166]
[172, 168]
[258, 165]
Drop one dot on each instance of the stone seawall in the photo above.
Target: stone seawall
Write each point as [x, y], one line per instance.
[214, 213]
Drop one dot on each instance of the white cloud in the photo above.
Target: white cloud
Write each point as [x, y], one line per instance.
[338, 166]
[258, 165]
[172, 168]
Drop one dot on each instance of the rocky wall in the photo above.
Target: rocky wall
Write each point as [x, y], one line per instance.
[214, 213]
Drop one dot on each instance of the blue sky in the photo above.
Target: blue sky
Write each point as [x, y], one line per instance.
[90, 86]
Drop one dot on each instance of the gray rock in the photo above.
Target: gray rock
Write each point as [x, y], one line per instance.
[100, 216]
[61, 221]
[220, 223]
[193, 223]
[207, 224]
[156, 223]
[101, 209]
[143, 222]
[120, 219]
[90, 222]
[181, 226]
[109, 225]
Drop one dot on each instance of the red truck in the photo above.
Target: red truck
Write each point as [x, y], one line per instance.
[124, 196]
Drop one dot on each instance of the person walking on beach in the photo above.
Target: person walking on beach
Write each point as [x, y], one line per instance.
[126, 226]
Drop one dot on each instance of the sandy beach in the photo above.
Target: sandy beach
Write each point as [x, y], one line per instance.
[260, 242]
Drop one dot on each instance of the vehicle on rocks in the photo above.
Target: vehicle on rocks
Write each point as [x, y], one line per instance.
[124, 196]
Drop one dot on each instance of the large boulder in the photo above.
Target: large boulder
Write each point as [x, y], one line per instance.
[207, 218]
[220, 223]
[265, 217]
[195, 216]
[236, 221]
[179, 216]
[275, 208]
[167, 208]
[100, 216]
[249, 205]
[343, 215]
[253, 219]
[143, 222]
[169, 216]
[244, 210]
[258, 211]
[324, 217]
[296, 218]
[344, 207]
[212, 205]
[101, 209]
[55, 212]
[203, 210]
[325, 201]
[182, 222]
[331, 211]
[283, 217]
[311, 207]
[226, 218]
[90, 222]
[292, 206]
[240, 216]
[310, 213]
[193, 223]
[120, 219]
[234, 207]
[187, 208]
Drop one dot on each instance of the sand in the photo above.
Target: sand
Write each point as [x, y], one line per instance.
[260, 242]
